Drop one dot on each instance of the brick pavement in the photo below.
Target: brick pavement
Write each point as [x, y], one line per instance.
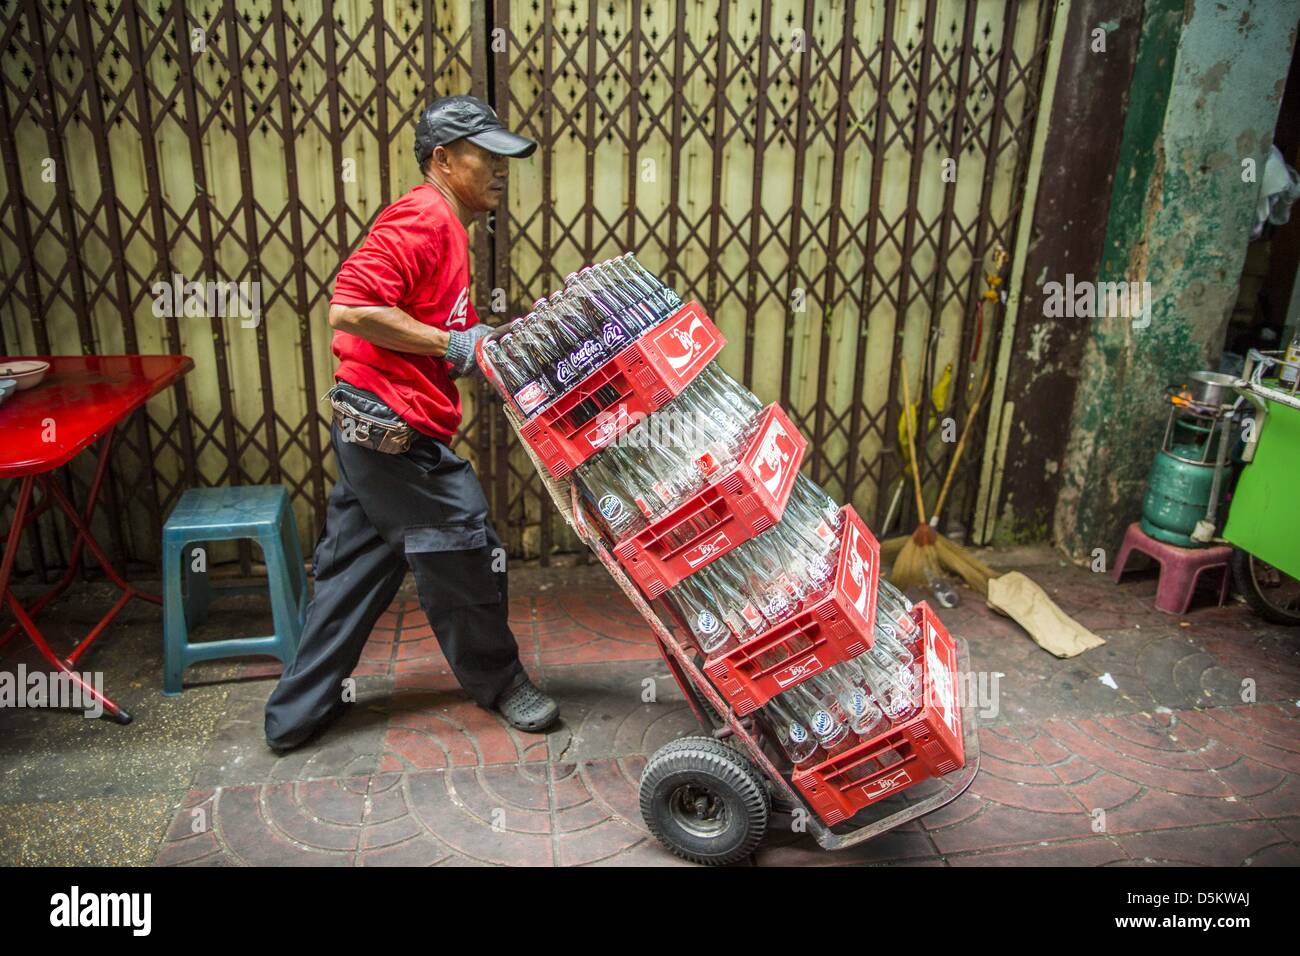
[1170, 767]
[1184, 770]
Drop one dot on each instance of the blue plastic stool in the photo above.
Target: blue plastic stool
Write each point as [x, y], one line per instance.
[225, 514]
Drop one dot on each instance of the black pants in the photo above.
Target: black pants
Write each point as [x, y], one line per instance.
[424, 510]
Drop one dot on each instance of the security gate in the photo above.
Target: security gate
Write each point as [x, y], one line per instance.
[823, 177]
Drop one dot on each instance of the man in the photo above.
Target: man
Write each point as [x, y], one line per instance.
[404, 327]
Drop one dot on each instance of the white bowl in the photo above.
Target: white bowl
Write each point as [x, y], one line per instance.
[26, 373]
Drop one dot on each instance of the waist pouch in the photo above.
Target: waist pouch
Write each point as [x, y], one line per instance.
[363, 419]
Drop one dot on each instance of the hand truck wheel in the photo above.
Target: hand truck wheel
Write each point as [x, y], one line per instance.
[704, 801]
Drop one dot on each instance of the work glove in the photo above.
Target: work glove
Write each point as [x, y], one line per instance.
[461, 347]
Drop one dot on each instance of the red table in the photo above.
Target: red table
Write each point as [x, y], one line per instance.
[85, 397]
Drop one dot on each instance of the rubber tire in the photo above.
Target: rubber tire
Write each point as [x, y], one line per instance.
[1245, 581]
[726, 772]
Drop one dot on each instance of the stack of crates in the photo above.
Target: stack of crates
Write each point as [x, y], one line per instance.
[734, 507]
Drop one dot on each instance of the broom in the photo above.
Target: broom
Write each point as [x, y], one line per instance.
[917, 562]
[926, 553]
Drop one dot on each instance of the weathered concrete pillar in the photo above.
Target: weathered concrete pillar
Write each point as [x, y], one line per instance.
[1206, 89]
[1066, 237]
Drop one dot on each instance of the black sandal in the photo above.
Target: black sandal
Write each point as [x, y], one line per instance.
[526, 707]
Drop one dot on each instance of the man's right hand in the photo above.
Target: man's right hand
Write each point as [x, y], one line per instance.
[390, 328]
[461, 347]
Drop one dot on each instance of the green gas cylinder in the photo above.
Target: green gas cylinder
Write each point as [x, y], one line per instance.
[1178, 494]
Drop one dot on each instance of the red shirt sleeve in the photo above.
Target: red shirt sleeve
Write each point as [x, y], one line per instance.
[402, 248]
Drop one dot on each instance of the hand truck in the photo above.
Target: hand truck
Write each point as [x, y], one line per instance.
[708, 797]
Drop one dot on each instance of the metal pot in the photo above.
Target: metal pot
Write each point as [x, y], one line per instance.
[1210, 388]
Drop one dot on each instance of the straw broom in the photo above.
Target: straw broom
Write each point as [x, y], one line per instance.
[926, 553]
[917, 556]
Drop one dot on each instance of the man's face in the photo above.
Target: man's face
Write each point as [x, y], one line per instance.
[477, 177]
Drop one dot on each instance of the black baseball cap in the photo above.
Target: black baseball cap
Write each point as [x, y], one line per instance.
[450, 118]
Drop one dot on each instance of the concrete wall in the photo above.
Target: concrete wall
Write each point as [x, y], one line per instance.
[1206, 90]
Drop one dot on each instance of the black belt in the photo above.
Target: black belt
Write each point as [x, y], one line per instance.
[363, 419]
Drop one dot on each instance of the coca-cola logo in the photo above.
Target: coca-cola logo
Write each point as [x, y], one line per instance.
[859, 570]
[941, 691]
[796, 672]
[888, 783]
[690, 338]
[532, 395]
[585, 354]
[607, 426]
[564, 371]
[775, 452]
[709, 549]
[818, 571]
[613, 335]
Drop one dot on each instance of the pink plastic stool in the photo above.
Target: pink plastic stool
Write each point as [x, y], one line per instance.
[1180, 568]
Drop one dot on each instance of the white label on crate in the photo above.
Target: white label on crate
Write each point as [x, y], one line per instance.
[701, 553]
[608, 425]
[859, 567]
[775, 453]
[795, 672]
[684, 342]
[886, 784]
[941, 682]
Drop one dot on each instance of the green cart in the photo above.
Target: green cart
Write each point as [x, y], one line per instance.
[1264, 517]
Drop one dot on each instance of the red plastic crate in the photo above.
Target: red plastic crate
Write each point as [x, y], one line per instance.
[929, 745]
[730, 510]
[646, 376]
[838, 626]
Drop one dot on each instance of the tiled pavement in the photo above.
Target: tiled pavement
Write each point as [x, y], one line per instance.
[1170, 765]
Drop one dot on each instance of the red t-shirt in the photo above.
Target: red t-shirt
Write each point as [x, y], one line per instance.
[416, 258]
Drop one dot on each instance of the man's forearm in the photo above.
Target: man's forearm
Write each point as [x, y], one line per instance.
[389, 328]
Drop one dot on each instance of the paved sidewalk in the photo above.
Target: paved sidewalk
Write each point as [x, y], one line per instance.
[1184, 770]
